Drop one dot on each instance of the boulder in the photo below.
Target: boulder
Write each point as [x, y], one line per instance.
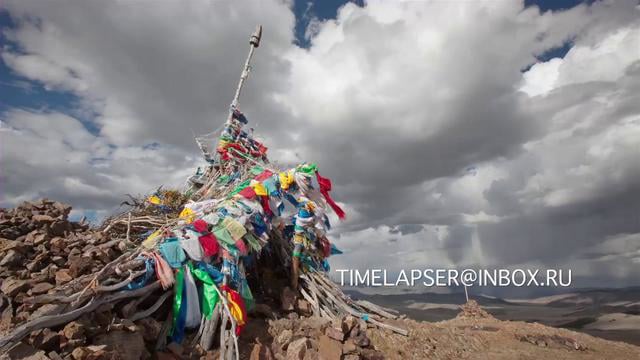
[12, 258]
[58, 228]
[284, 337]
[79, 266]
[40, 238]
[53, 355]
[41, 288]
[7, 245]
[361, 340]
[297, 349]
[304, 307]
[129, 345]
[46, 340]
[23, 351]
[288, 299]
[329, 349]
[335, 333]
[349, 323]
[42, 219]
[80, 353]
[6, 319]
[74, 331]
[175, 349]
[64, 209]
[263, 310]
[57, 244]
[94, 353]
[63, 277]
[349, 347]
[12, 287]
[261, 352]
[150, 328]
[371, 354]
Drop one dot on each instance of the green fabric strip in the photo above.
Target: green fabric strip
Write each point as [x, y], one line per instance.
[257, 170]
[246, 294]
[223, 179]
[209, 293]
[308, 169]
[240, 187]
[223, 235]
[177, 299]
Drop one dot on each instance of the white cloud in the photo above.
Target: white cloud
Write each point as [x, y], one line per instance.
[394, 100]
[53, 155]
[151, 71]
[605, 60]
[542, 77]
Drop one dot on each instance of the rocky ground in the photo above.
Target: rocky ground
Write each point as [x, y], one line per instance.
[474, 334]
[40, 248]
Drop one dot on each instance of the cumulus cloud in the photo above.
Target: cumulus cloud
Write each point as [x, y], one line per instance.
[53, 155]
[442, 149]
[151, 71]
[408, 97]
[147, 76]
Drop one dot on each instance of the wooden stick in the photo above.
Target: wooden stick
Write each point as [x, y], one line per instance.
[345, 307]
[164, 333]
[96, 278]
[311, 301]
[210, 325]
[129, 228]
[223, 334]
[120, 285]
[376, 309]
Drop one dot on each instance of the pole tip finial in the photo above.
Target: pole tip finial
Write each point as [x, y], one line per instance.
[256, 36]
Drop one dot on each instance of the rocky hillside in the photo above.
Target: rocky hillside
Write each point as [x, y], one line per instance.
[41, 249]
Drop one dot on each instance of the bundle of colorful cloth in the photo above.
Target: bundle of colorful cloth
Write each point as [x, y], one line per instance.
[206, 253]
[234, 142]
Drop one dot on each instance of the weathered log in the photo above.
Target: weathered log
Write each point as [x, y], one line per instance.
[51, 298]
[376, 309]
[54, 320]
[345, 304]
[120, 285]
[210, 326]
[153, 308]
[164, 333]
[316, 306]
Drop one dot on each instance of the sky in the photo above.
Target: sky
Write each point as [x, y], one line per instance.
[457, 133]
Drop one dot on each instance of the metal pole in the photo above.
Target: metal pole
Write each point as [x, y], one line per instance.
[254, 42]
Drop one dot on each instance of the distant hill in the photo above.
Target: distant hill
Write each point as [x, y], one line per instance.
[608, 313]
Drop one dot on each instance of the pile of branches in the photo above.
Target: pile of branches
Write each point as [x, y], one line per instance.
[50, 293]
[142, 215]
